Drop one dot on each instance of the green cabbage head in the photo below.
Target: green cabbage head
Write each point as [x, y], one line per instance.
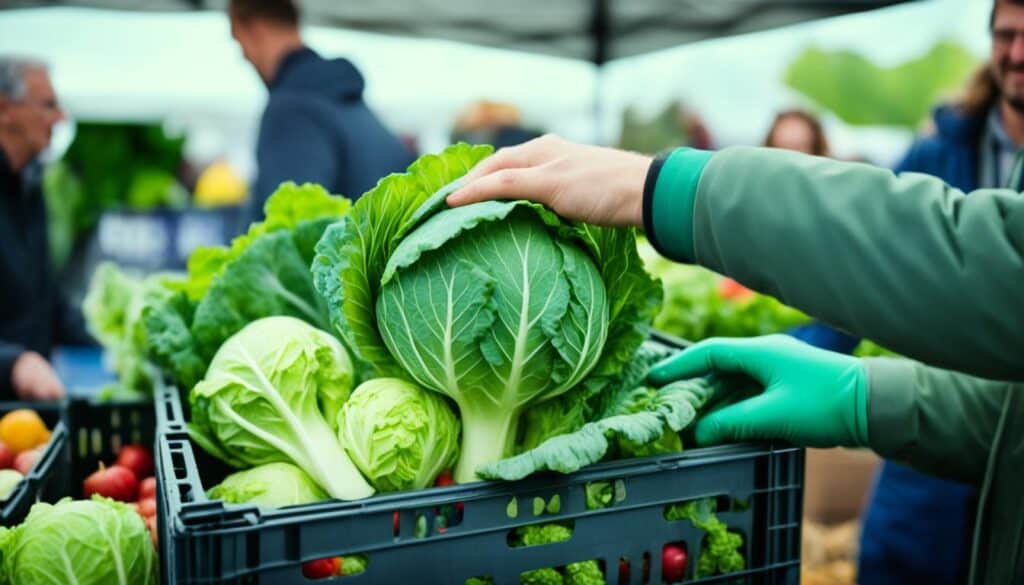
[268, 397]
[88, 542]
[499, 305]
[399, 435]
[274, 485]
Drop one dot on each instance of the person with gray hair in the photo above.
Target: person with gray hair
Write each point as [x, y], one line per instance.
[34, 316]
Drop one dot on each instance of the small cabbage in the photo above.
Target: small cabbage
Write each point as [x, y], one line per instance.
[268, 396]
[9, 480]
[273, 485]
[398, 434]
[88, 542]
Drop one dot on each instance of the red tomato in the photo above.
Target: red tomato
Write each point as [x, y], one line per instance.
[6, 457]
[147, 488]
[137, 458]
[114, 482]
[147, 507]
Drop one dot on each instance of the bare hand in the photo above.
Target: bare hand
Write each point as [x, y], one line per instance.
[33, 378]
[598, 185]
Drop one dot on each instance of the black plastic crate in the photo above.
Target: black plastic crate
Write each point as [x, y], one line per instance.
[98, 431]
[759, 489]
[45, 481]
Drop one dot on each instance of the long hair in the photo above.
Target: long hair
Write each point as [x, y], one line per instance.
[819, 144]
[979, 92]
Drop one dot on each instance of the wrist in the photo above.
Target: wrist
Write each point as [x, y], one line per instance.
[890, 398]
[670, 192]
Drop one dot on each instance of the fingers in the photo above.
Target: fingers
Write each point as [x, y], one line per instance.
[743, 421]
[533, 184]
[524, 156]
[744, 356]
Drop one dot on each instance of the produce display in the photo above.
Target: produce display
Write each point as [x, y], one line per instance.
[23, 437]
[700, 304]
[338, 350]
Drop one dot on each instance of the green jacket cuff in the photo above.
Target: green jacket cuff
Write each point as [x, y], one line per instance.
[892, 428]
[669, 195]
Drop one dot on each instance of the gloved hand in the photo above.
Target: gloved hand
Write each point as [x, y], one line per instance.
[811, 397]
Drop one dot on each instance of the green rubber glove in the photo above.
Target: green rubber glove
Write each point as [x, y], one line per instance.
[811, 397]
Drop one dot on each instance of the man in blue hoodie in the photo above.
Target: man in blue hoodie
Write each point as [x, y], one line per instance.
[316, 127]
[917, 527]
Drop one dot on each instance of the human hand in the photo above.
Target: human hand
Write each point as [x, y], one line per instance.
[33, 378]
[597, 185]
[811, 397]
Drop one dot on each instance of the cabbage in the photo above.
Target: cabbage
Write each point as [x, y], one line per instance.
[87, 542]
[273, 485]
[400, 436]
[268, 396]
[497, 305]
[263, 272]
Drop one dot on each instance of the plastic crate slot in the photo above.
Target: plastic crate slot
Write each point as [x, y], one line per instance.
[512, 509]
[645, 571]
[514, 537]
[115, 443]
[96, 442]
[623, 571]
[178, 465]
[448, 516]
[604, 493]
[480, 580]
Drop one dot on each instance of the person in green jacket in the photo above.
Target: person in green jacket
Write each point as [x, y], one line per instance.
[905, 260]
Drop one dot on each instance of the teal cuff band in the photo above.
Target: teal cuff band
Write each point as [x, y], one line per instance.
[861, 410]
[669, 196]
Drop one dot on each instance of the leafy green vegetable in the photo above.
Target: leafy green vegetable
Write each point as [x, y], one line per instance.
[863, 93]
[263, 273]
[670, 409]
[353, 565]
[88, 542]
[498, 305]
[113, 308]
[578, 573]
[700, 304]
[261, 403]
[274, 485]
[286, 209]
[9, 480]
[720, 552]
[399, 435]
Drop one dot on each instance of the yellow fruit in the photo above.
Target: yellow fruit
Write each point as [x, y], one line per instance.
[220, 185]
[22, 430]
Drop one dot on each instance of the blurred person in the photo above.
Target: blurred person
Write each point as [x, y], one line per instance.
[488, 122]
[973, 145]
[34, 316]
[797, 130]
[316, 127]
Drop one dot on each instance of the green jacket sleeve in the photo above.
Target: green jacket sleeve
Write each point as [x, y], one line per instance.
[940, 422]
[904, 260]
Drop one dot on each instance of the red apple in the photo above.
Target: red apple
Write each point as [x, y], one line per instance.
[147, 488]
[137, 458]
[6, 456]
[26, 460]
[147, 507]
[673, 563]
[114, 482]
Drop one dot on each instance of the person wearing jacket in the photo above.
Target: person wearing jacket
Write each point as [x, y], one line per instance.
[34, 315]
[316, 127]
[973, 145]
[907, 260]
